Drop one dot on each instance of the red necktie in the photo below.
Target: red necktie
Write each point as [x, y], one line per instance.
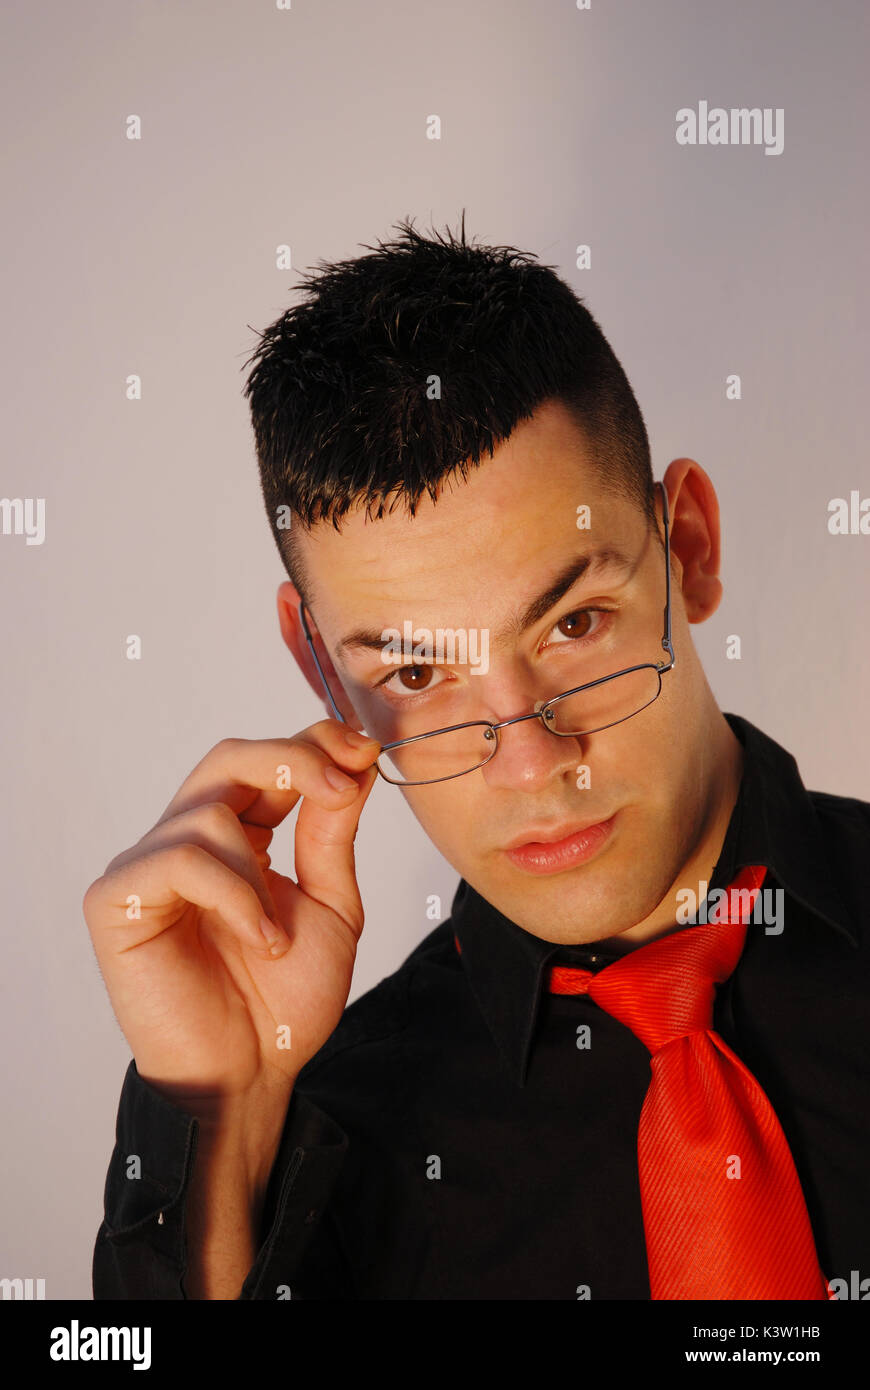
[709, 1233]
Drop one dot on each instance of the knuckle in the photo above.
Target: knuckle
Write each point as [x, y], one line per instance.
[185, 856]
[303, 753]
[225, 747]
[92, 895]
[325, 729]
[217, 815]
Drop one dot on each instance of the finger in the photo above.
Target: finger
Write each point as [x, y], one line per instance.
[168, 882]
[262, 779]
[324, 859]
[214, 827]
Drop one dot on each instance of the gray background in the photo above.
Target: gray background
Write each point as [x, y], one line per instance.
[308, 127]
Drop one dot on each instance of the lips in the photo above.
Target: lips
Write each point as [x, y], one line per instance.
[553, 836]
[558, 850]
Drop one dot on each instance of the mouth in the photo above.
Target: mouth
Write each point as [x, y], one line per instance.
[552, 852]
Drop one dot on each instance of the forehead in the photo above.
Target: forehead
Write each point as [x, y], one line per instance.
[482, 548]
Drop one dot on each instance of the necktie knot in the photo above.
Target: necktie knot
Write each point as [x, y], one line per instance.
[666, 989]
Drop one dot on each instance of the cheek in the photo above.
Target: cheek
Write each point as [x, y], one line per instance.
[444, 810]
[634, 765]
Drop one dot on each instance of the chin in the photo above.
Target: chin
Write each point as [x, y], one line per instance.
[583, 904]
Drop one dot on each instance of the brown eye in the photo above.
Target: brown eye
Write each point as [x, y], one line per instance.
[575, 624]
[415, 677]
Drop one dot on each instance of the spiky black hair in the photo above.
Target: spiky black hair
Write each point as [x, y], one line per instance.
[340, 393]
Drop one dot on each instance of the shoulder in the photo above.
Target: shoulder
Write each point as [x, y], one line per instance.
[844, 827]
[842, 815]
[844, 833]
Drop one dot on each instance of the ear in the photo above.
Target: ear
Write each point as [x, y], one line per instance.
[695, 537]
[288, 601]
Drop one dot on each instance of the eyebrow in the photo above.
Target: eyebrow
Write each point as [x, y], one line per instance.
[582, 566]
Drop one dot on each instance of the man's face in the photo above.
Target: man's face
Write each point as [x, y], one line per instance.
[478, 560]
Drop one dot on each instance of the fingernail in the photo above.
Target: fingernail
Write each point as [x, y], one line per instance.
[338, 780]
[357, 740]
[274, 935]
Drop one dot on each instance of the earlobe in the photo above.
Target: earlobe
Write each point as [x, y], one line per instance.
[705, 597]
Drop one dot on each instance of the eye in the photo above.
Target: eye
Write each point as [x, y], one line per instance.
[577, 626]
[412, 679]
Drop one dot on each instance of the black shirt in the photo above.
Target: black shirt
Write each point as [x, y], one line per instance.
[452, 1141]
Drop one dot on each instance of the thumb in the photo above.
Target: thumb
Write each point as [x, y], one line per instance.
[324, 864]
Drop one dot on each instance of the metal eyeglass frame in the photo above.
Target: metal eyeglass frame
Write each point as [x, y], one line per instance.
[545, 712]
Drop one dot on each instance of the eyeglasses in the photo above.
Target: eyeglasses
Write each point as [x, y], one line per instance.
[585, 709]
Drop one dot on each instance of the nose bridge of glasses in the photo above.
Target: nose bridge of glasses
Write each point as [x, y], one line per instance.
[540, 711]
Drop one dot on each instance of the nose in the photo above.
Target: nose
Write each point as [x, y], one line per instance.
[529, 757]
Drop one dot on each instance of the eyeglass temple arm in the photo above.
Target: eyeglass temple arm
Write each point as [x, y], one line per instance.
[666, 639]
[325, 683]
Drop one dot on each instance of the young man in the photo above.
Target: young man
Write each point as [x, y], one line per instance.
[630, 1065]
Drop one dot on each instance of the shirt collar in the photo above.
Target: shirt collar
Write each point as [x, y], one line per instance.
[773, 823]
